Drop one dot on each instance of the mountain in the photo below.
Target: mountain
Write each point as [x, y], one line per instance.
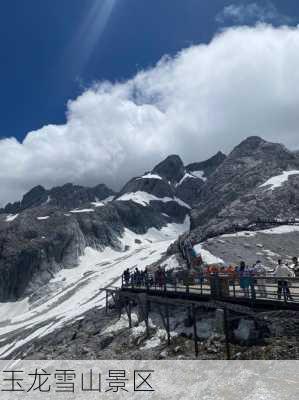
[66, 196]
[170, 179]
[50, 229]
[60, 247]
[206, 168]
[240, 192]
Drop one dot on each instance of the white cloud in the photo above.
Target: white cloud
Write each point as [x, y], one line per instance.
[264, 11]
[208, 97]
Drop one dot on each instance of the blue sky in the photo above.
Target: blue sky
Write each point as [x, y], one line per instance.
[45, 60]
[100, 90]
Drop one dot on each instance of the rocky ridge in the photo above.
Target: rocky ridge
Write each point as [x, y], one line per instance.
[49, 229]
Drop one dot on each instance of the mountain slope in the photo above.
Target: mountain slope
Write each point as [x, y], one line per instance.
[234, 195]
[67, 196]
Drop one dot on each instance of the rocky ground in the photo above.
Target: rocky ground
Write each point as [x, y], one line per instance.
[101, 336]
[267, 246]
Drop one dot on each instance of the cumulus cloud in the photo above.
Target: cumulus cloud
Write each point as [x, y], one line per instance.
[208, 97]
[252, 13]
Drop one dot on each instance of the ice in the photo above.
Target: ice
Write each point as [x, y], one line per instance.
[277, 181]
[12, 309]
[73, 292]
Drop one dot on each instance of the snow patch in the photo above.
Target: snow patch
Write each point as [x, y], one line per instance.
[156, 340]
[171, 263]
[239, 234]
[187, 175]
[200, 175]
[102, 203]
[277, 230]
[11, 217]
[144, 199]
[282, 229]
[207, 257]
[277, 181]
[12, 309]
[97, 204]
[122, 323]
[73, 292]
[150, 176]
[43, 218]
[84, 210]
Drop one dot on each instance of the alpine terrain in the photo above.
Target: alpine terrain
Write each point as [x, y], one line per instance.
[61, 247]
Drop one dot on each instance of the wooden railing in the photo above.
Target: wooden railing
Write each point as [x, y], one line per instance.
[224, 287]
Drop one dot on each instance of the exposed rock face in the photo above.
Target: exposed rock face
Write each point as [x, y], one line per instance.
[73, 196]
[157, 187]
[171, 179]
[161, 184]
[234, 196]
[66, 197]
[41, 240]
[189, 189]
[196, 175]
[209, 166]
[172, 169]
[53, 227]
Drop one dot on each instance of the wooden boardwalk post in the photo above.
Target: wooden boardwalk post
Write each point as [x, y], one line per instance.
[195, 331]
[146, 317]
[129, 314]
[167, 324]
[226, 332]
[106, 301]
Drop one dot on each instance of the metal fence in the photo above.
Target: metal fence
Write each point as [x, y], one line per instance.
[217, 286]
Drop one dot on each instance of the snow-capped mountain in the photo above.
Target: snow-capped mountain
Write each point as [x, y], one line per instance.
[49, 230]
[60, 247]
[258, 180]
[67, 196]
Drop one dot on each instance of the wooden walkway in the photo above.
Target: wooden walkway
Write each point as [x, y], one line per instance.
[214, 293]
[228, 290]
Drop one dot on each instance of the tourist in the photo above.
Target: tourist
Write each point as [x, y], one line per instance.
[259, 272]
[281, 272]
[295, 266]
[127, 277]
[245, 278]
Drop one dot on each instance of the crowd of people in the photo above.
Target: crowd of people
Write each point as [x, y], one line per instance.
[248, 277]
[144, 278]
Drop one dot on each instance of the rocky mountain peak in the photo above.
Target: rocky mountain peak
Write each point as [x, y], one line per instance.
[248, 146]
[259, 149]
[207, 166]
[171, 169]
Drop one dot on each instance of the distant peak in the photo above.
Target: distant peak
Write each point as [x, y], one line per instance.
[252, 141]
[172, 168]
[248, 146]
[208, 166]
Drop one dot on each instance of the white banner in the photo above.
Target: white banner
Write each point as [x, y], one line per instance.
[200, 380]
